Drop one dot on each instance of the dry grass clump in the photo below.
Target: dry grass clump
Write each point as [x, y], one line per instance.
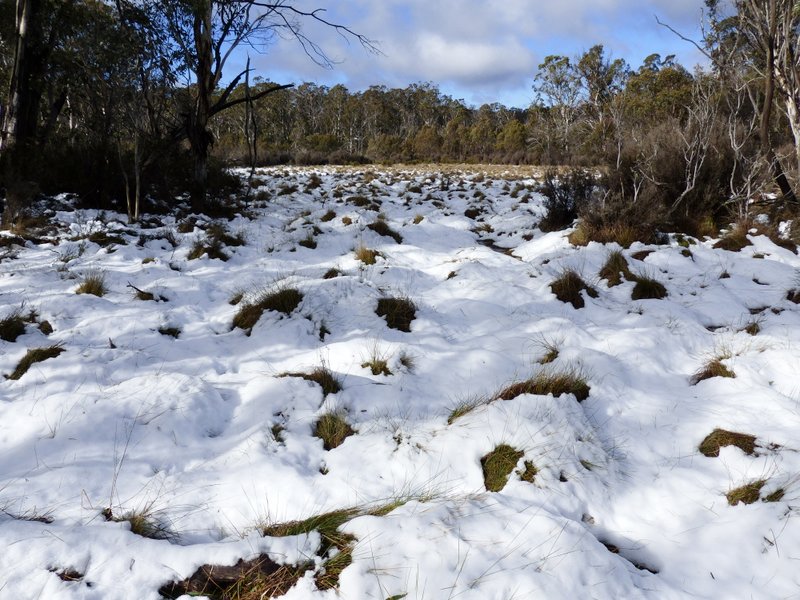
[793, 295]
[332, 273]
[713, 368]
[35, 355]
[367, 255]
[615, 268]
[212, 247]
[332, 429]
[12, 326]
[328, 216]
[734, 240]
[143, 523]
[282, 300]
[308, 242]
[557, 383]
[254, 579]
[173, 332]
[747, 494]
[381, 227]
[623, 234]
[93, 283]
[647, 288]
[568, 287]
[398, 311]
[323, 377]
[720, 438]
[377, 366]
[497, 466]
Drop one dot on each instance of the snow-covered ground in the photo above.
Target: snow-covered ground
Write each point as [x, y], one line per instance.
[209, 437]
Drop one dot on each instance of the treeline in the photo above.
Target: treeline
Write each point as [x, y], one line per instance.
[133, 101]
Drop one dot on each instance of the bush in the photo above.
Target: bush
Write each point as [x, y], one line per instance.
[565, 197]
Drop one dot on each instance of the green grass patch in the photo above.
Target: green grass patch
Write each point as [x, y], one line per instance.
[498, 465]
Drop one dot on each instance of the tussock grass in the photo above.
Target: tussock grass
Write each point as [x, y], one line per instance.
[720, 438]
[308, 242]
[555, 382]
[93, 283]
[323, 377]
[377, 362]
[382, 228]
[398, 311]
[367, 255]
[568, 287]
[283, 300]
[328, 216]
[623, 234]
[418, 219]
[219, 231]
[466, 406]
[173, 332]
[407, 361]
[332, 429]
[12, 326]
[713, 368]
[615, 268]
[793, 295]
[497, 466]
[332, 273]
[551, 351]
[214, 248]
[35, 355]
[734, 240]
[647, 288]
[746, 494]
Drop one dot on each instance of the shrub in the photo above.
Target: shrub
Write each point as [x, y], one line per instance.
[282, 300]
[497, 466]
[332, 429]
[93, 283]
[568, 287]
[720, 438]
[713, 368]
[570, 381]
[647, 288]
[35, 355]
[12, 326]
[382, 228]
[564, 197]
[399, 312]
[615, 268]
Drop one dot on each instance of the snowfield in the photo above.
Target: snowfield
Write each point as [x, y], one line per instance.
[158, 415]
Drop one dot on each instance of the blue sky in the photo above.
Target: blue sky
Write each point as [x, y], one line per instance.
[480, 51]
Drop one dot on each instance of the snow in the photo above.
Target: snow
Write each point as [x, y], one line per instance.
[130, 419]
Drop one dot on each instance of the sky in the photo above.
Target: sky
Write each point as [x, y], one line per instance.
[479, 51]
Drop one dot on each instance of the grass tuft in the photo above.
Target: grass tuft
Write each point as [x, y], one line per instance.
[734, 240]
[464, 407]
[398, 311]
[719, 438]
[35, 355]
[367, 255]
[381, 227]
[557, 383]
[647, 288]
[529, 473]
[497, 466]
[332, 429]
[747, 494]
[12, 326]
[173, 332]
[568, 287]
[93, 283]
[282, 300]
[322, 376]
[713, 368]
[615, 268]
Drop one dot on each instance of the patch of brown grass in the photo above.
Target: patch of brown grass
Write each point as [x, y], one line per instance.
[713, 368]
[398, 311]
[568, 287]
[323, 377]
[720, 438]
[746, 494]
[615, 268]
[557, 383]
[367, 255]
[282, 300]
[35, 355]
[12, 326]
[93, 283]
[332, 429]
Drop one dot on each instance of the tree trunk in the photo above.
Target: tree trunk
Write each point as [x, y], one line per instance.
[197, 122]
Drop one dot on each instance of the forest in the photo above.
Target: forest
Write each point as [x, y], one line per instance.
[132, 103]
